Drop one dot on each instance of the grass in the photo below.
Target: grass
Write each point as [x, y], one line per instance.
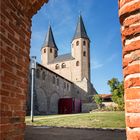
[83, 120]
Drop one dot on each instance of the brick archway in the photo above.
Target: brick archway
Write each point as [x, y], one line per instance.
[14, 53]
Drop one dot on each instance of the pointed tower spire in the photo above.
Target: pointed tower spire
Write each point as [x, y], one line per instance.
[80, 30]
[49, 39]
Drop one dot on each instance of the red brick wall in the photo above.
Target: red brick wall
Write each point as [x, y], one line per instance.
[129, 12]
[15, 25]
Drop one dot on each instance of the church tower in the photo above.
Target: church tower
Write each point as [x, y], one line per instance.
[49, 50]
[81, 51]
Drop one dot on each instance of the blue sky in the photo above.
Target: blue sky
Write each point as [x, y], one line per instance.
[103, 28]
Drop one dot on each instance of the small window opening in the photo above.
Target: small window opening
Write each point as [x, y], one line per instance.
[56, 66]
[63, 65]
[77, 63]
[77, 43]
[84, 42]
[84, 53]
[50, 50]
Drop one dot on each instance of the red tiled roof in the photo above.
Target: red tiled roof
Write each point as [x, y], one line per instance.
[105, 96]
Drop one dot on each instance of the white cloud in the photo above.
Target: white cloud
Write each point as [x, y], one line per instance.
[109, 37]
[111, 58]
[37, 35]
[96, 64]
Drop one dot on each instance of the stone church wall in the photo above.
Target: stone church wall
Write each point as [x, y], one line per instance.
[15, 27]
[49, 88]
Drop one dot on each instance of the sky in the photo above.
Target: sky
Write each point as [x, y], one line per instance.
[103, 28]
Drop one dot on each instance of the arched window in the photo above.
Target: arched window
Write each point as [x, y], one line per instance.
[56, 66]
[84, 43]
[37, 73]
[50, 50]
[84, 53]
[63, 65]
[77, 63]
[43, 75]
[57, 82]
[77, 43]
[67, 86]
[44, 50]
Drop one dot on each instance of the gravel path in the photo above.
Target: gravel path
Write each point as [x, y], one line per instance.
[47, 133]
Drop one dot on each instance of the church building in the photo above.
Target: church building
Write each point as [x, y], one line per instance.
[63, 76]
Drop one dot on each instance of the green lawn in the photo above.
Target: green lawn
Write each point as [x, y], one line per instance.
[83, 120]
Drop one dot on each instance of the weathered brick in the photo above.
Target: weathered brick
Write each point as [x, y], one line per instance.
[132, 20]
[131, 31]
[6, 40]
[132, 106]
[7, 27]
[10, 100]
[133, 134]
[6, 113]
[132, 82]
[132, 93]
[122, 2]
[131, 47]
[133, 120]
[129, 8]
[131, 69]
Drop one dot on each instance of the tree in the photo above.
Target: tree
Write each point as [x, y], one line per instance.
[98, 100]
[117, 90]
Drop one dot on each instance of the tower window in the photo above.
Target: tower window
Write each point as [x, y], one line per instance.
[84, 42]
[44, 50]
[77, 63]
[84, 53]
[50, 50]
[77, 43]
[56, 66]
[63, 65]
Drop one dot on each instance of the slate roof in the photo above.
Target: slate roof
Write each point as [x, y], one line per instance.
[61, 58]
[49, 39]
[80, 30]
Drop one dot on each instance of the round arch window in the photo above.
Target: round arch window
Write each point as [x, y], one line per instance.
[77, 63]
[63, 65]
[77, 43]
[84, 43]
[56, 66]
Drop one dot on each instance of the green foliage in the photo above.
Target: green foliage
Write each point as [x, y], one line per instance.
[98, 100]
[117, 90]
